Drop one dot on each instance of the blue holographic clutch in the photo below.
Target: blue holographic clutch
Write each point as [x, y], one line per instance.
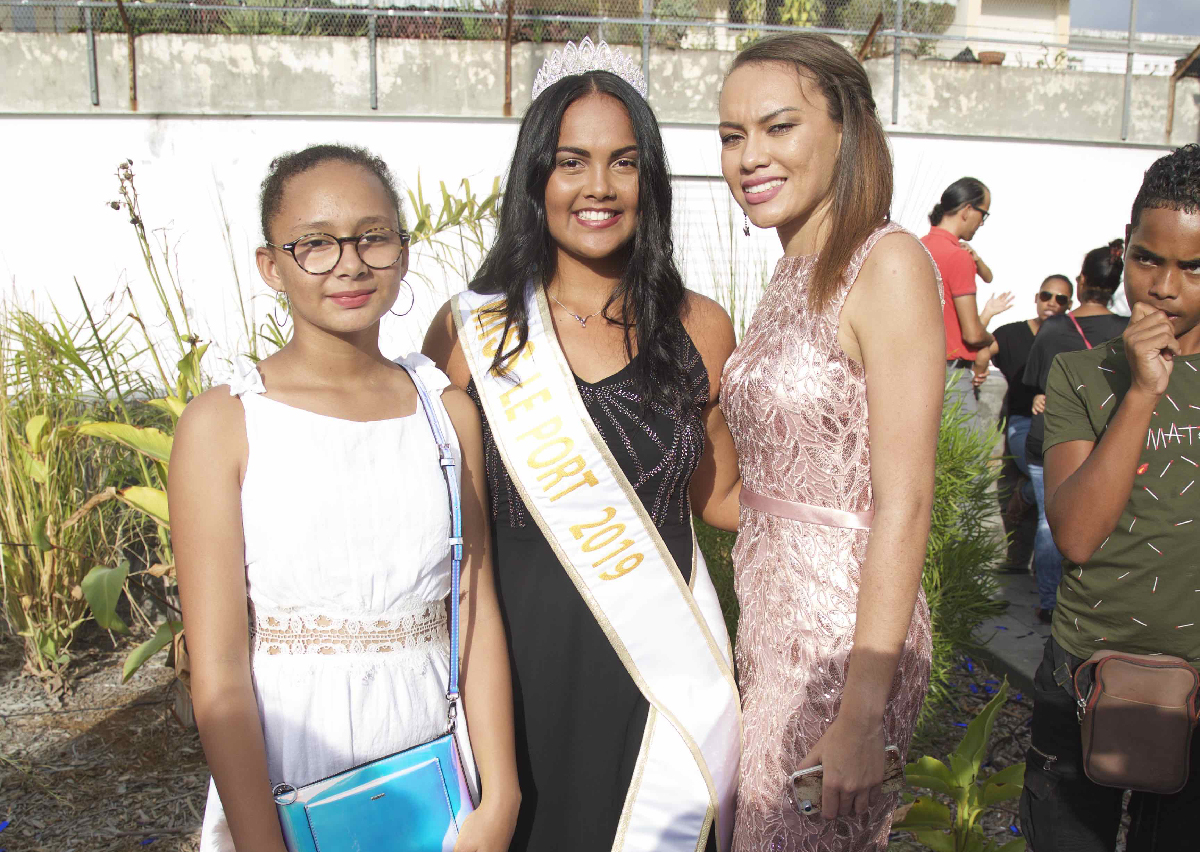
[411, 801]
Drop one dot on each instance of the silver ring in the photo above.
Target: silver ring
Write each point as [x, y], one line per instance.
[284, 794]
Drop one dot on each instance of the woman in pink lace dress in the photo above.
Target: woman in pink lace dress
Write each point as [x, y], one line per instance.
[833, 398]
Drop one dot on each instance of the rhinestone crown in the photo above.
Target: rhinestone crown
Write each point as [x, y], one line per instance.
[586, 57]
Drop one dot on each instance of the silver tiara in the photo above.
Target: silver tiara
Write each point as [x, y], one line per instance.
[586, 57]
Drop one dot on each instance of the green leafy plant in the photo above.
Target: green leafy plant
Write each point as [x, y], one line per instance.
[802, 13]
[932, 822]
[963, 542]
[46, 470]
[677, 10]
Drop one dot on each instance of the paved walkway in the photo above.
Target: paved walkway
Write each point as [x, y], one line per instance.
[1012, 644]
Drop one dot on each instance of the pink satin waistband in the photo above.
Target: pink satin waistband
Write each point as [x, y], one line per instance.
[806, 513]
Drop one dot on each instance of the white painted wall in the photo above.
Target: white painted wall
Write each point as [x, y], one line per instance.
[1052, 202]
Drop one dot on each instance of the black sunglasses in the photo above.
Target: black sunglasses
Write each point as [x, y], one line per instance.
[1046, 296]
[982, 212]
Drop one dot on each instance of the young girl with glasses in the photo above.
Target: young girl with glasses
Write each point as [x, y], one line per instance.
[303, 494]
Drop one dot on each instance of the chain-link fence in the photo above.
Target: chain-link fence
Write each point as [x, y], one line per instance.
[1028, 33]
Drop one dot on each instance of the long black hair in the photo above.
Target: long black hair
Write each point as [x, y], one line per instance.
[650, 294]
[965, 190]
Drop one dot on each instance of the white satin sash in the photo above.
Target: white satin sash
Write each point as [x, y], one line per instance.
[670, 635]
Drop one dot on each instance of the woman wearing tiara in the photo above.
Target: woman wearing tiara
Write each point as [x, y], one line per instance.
[833, 398]
[598, 375]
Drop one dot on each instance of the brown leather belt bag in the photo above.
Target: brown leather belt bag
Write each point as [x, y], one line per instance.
[1137, 714]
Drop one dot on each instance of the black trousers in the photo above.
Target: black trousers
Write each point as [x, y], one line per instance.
[1062, 811]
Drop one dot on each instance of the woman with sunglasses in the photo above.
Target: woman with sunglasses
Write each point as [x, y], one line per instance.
[1089, 325]
[959, 213]
[1009, 350]
[307, 489]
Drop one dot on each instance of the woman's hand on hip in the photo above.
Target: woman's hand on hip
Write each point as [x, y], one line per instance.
[852, 756]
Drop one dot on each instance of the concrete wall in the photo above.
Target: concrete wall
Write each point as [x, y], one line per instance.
[238, 75]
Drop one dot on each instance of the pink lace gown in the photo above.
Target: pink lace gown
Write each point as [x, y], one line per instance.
[797, 408]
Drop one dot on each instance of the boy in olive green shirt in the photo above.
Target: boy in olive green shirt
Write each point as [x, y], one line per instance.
[1122, 454]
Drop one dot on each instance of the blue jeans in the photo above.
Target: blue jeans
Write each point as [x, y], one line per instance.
[1018, 431]
[1047, 561]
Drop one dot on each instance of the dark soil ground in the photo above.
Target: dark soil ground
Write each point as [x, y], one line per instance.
[104, 766]
[99, 766]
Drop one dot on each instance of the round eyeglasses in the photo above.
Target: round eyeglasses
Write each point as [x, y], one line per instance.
[317, 254]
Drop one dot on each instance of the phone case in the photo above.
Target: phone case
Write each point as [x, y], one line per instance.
[804, 786]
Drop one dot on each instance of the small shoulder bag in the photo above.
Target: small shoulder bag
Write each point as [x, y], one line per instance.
[1137, 714]
[411, 801]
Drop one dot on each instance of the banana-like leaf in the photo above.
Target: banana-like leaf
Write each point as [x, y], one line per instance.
[33, 431]
[102, 587]
[170, 404]
[40, 538]
[1017, 845]
[35, 468]
[936, 841]
[974, 743]
[925, 813]
[962, 770]
[143, 439]
[152, 501]
[143, 652]
[1005, 784]
[189, 372]
[931, 773]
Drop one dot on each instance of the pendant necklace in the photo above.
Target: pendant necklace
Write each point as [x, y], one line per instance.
[581, 320]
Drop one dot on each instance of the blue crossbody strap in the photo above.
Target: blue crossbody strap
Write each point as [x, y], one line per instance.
[449, 471]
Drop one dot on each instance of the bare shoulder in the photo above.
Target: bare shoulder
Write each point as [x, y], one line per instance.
[463, 414]
[441, 345]
[213, 423]
[708, 324]
[899, 263]
[442, 334]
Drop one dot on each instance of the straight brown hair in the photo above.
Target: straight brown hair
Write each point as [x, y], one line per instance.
[862, 180]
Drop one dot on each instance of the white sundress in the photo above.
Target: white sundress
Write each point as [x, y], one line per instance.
[346, 526]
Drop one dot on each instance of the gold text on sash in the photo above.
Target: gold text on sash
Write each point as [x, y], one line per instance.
[560, 470]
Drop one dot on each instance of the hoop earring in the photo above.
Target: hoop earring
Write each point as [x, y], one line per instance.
[412, 299]
[745, 224]
[287, 307]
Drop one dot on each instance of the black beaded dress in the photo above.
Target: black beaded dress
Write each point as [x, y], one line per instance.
[579, 715]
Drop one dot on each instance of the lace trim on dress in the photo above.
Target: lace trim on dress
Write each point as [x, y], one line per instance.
[275, 632]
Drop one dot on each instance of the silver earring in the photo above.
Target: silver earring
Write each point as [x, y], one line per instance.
[275, 307]
[412, 299]
[745, 224]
